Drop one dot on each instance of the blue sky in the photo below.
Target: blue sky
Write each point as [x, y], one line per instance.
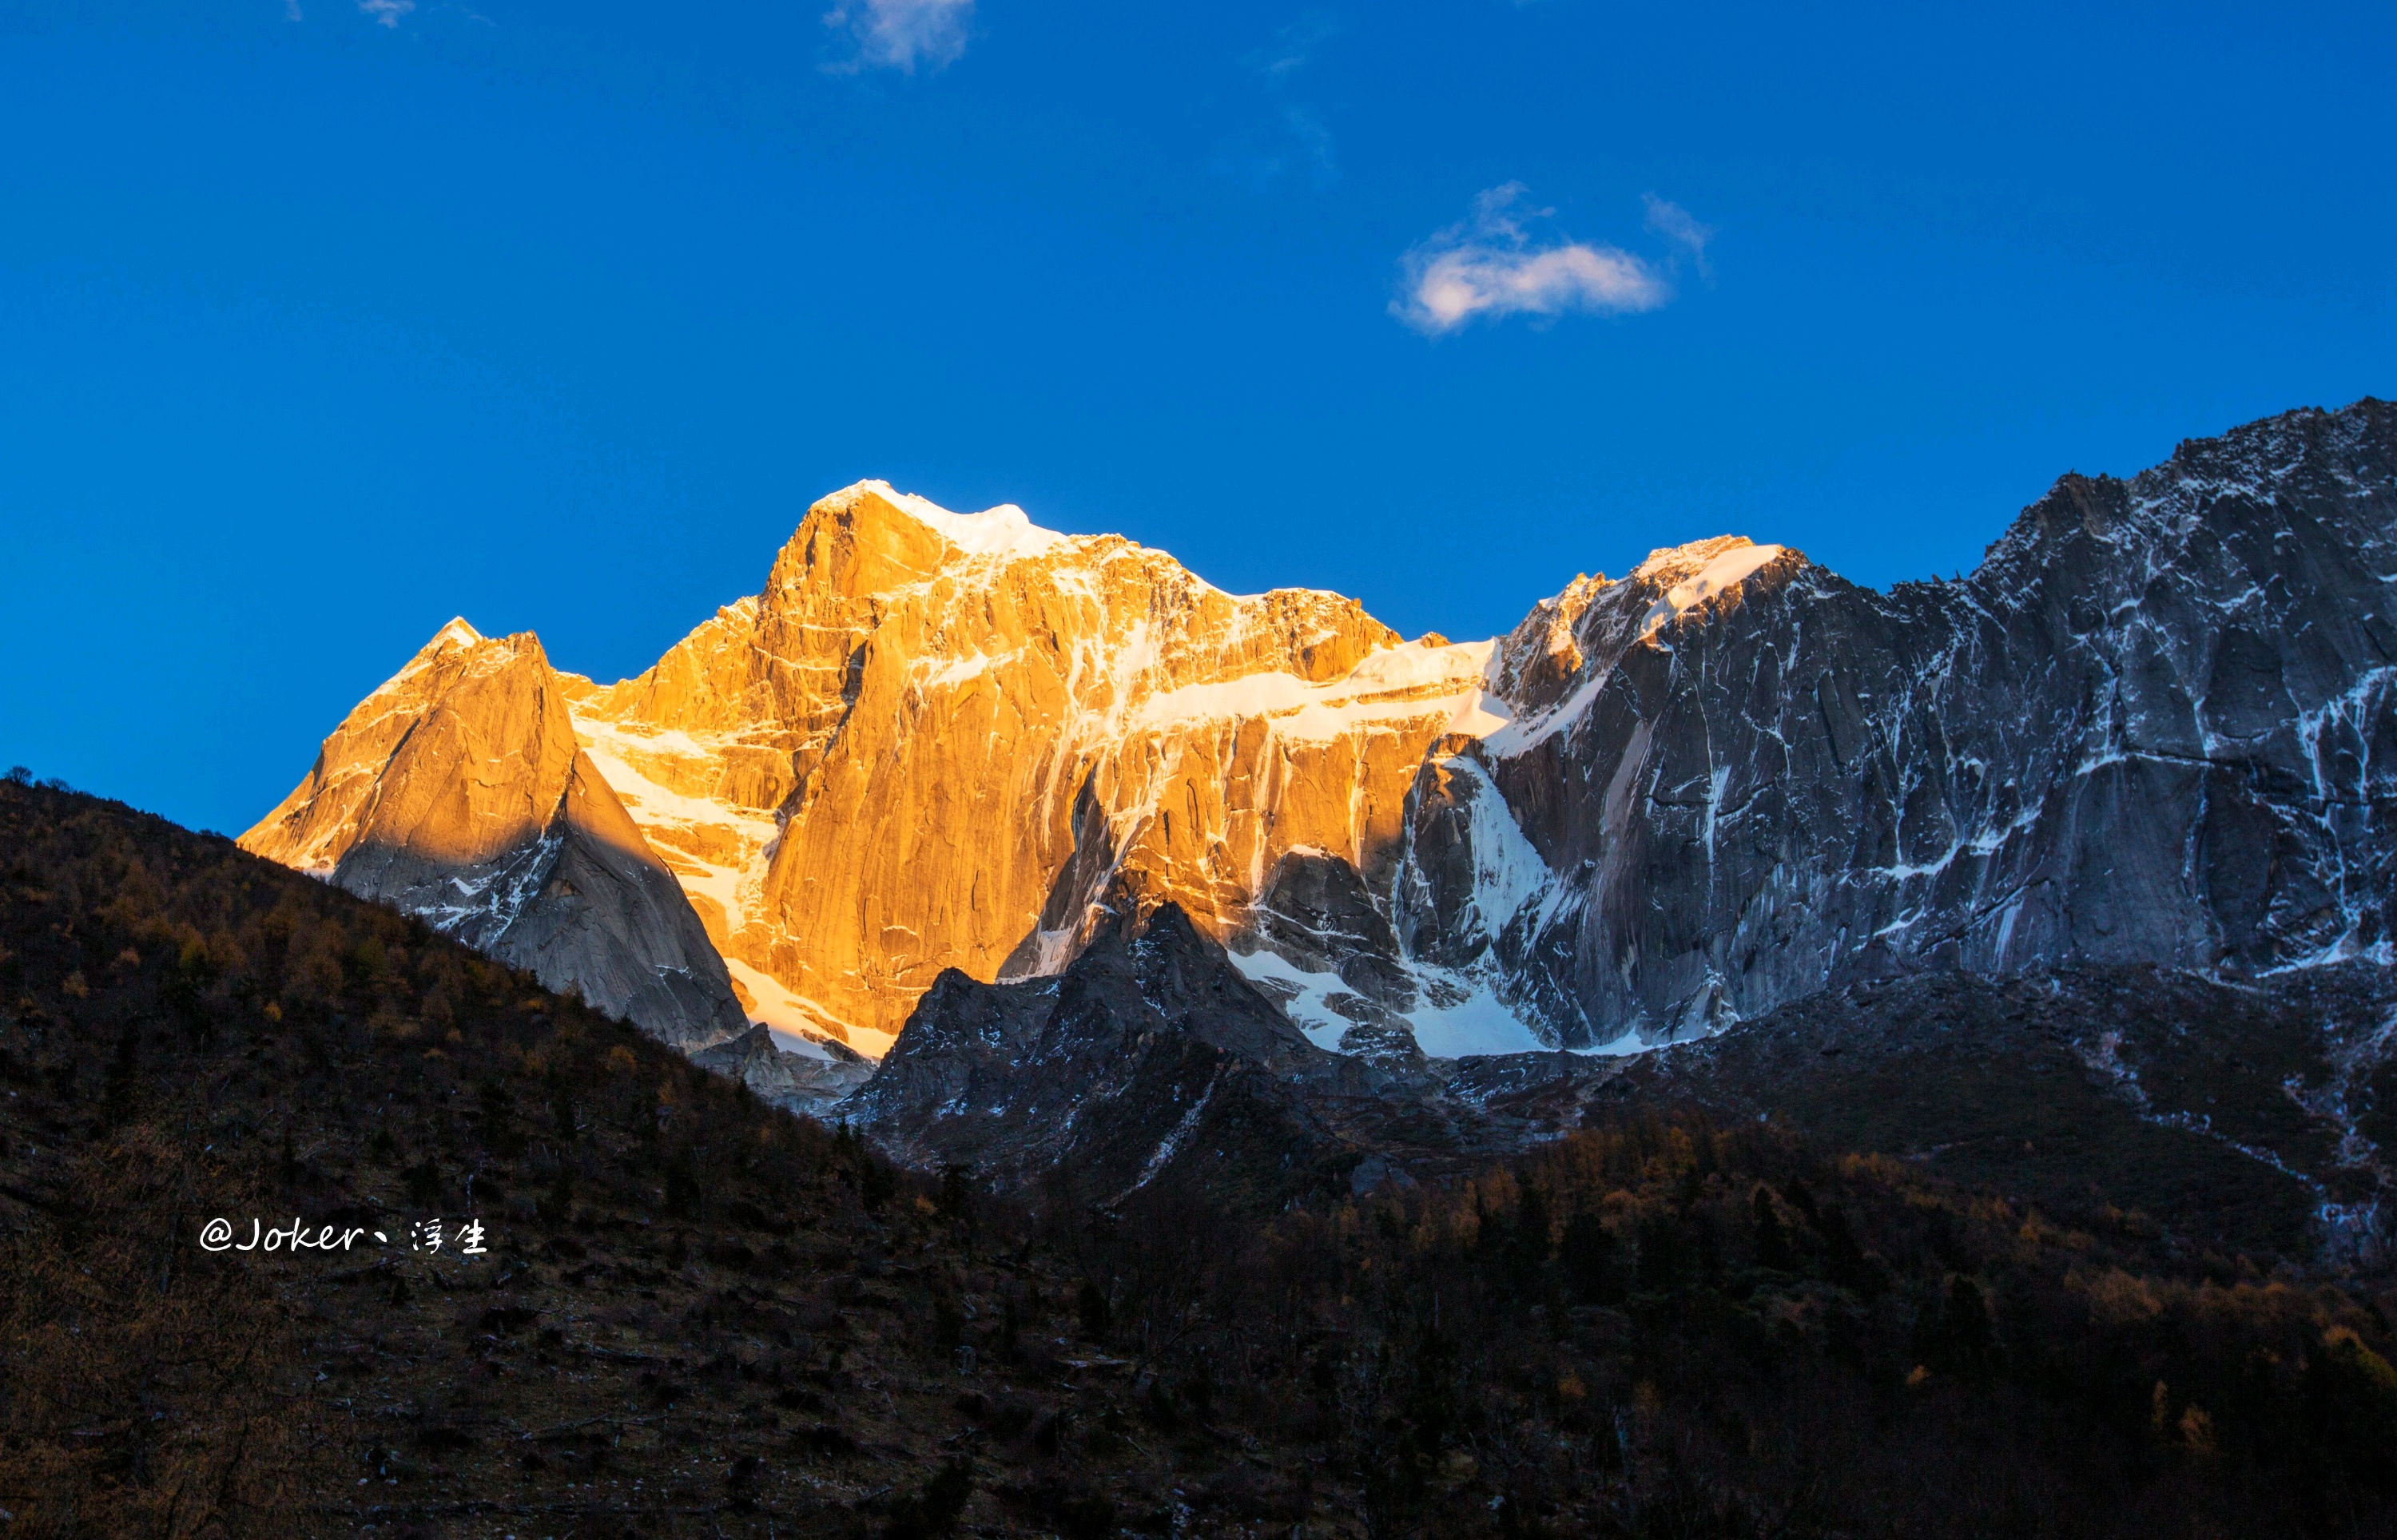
[322, 322]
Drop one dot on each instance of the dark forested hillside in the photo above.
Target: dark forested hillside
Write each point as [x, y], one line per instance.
[695, 1314]
[2240, 1116]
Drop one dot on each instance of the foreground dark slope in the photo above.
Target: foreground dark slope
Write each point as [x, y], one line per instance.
[699, 1316]
[2236, 1117]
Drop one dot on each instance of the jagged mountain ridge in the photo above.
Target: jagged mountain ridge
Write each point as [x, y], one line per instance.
[2154, 725]
[1151, 1058]
[2245, 1116]
[1658, 806]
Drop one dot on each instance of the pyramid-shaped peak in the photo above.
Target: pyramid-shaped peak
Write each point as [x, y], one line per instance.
[459, 645]
[456, 634]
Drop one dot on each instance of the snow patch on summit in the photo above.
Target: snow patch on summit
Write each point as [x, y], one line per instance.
[1005, 531]
[1738, 560]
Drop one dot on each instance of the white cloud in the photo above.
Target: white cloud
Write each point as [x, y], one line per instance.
[388, 12]
[901, 34]
[1488, 266]
[291, 10]
[1673, 222]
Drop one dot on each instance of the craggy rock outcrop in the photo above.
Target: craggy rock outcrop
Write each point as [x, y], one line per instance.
[456, 792]
[1145, 1050]
[1153, 1057]
[811, 1081]
[2154, 725]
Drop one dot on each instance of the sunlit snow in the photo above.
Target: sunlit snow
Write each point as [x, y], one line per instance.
[1383, 688]
[1725, 571]
[796, 1022]
[1006, 530]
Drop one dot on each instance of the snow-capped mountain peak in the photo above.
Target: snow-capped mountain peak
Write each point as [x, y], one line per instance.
[2153, 725]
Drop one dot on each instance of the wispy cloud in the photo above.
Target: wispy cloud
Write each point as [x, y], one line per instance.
[1490, 266]
[1293, 137]
[291, 10]
[1293, 47]
[388, 12]
[1673, 222]
[901, 34]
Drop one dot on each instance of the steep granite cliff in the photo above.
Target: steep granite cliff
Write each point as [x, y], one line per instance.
[2154, 725]
[938, 740]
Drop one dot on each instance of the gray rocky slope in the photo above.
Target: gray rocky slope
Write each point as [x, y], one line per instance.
[2243, 1117]
[2154, 725]
[1151, 1058]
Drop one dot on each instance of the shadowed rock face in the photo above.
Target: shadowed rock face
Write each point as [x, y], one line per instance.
[2252, 1115]
[2154, 726]
[457, 793]
[1316, 912]
[1151, 1058]
[802, 1082]
[1139, 1053]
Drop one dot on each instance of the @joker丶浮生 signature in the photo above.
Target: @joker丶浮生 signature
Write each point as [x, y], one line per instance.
[217, 1235]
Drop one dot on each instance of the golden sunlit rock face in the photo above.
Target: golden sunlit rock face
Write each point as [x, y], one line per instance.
[1660, 805]
[937, 740]
[932, 740]
[459, 756]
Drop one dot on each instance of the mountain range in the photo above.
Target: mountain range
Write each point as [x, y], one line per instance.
[940, 755]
